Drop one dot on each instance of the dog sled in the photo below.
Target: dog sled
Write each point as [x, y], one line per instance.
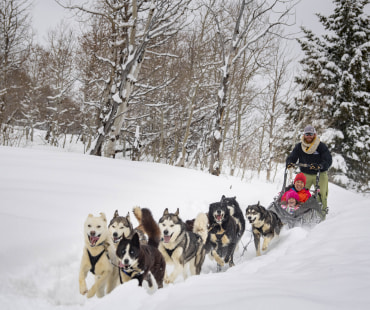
[309, 213]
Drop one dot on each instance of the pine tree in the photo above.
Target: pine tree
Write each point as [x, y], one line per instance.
[335, 90]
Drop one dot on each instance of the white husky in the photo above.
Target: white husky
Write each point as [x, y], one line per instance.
[96, 258]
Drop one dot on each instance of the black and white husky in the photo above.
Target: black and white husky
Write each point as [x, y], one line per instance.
[142, 261]
[265, 223]
[180, 247]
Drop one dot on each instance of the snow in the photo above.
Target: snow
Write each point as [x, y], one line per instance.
[116, 98]
[46, 196]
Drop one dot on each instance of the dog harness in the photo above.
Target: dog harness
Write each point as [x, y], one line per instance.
[170, 252]
[94, 260]
[129, 273]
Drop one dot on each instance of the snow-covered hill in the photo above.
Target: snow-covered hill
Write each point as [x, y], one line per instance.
[46, 196]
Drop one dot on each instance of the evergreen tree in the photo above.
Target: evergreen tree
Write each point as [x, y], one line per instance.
[335, 90]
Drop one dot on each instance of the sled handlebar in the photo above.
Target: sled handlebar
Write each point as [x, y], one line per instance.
[304, 165]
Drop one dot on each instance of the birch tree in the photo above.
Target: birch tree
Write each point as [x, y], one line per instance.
[134, 26]
[253, 21]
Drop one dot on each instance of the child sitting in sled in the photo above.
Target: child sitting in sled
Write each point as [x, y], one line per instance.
[291, 204]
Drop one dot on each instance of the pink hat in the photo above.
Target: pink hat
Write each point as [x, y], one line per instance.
[292, 194]
[300, 177]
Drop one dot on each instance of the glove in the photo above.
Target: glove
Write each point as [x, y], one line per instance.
[315, 167]
[290, 165]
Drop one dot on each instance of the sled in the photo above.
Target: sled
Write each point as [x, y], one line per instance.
[309, 213]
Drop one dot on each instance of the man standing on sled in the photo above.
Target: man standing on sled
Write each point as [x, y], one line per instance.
[316, 155]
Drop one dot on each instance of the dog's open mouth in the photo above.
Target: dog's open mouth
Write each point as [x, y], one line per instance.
[219, 218]
[93, 239]
[124, 266]
[167, 238]
[116, 239]
[251, 220]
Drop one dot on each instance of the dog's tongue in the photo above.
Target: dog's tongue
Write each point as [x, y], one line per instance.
[123, 266]
[94, 239]
[166, 239]
[219, 218]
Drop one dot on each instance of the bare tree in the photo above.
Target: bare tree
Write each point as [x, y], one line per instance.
[15, 40]
[134, 26]
[60, 64]
[254, 20]
[278, 95]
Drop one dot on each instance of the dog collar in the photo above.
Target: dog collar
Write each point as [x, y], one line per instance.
[131, 272]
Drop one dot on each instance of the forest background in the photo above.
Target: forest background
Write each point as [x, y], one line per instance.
[205, 84]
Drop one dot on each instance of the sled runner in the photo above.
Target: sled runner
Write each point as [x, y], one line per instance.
[309, 213]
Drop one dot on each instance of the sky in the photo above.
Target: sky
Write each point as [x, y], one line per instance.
[47, 14]
[46, 195]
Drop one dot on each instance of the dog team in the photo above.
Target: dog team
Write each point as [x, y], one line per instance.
[116, 252]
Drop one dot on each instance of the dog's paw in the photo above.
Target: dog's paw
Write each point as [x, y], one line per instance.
[91, 292]
[264, 248]
[220, 261]
[83, 292]
[231, 264]
[83, 289]
[167, 280]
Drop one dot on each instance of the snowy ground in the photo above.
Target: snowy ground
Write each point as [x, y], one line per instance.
[46, 196]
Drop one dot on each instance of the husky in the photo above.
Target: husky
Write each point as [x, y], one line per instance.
[96, 257]
[122, 226]
[182, 248]
[225, 230]
[236, 213]
[265, 223]
[142, 261]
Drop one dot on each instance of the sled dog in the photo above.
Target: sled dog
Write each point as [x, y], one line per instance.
[142, 261]
[122, 226]
[182, 248]
[95, 257]
[236, 213]
[265, 223]
[224, 232]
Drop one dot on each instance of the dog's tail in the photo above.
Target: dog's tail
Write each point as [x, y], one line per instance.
[201, 226]
[148, 225]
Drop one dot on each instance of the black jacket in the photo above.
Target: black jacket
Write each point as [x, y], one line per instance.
[321, 157]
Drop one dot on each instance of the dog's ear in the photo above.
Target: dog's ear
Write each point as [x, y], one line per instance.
[223, 197]
[135, 241]
[102, 215]
[177, 212]
[128, 216]
[165, 212]
[116, 214]
[263, 211]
